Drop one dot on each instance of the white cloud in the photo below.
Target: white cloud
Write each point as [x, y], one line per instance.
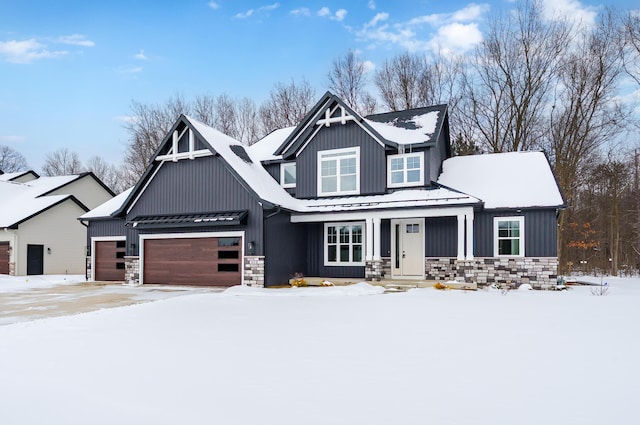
[76, 40]
[27, 51]
[573, 10]
[140, 55]
[303, 11]
[448, 32]
[371, 5]
[250, 12]
[12, 139]
[127, 119]
[369, 66]
[214, 5]
[130, 70]
[325, 12]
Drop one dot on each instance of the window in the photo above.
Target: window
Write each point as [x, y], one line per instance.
[288, 174]
[339, 172]
[508, 236]
[405, 170]
[344, 243]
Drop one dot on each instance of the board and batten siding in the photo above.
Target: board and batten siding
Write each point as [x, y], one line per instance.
[315, 257]
[441, 237]
[196, 186]
[285, 249]
[373, 163]
[540, 227]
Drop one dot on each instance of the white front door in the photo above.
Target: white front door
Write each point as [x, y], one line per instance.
[407, 254]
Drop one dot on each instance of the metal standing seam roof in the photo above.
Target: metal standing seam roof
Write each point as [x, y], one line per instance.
[222, 218]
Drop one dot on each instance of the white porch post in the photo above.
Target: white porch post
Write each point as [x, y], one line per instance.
[376, 239]
[469, 253]
[368, 256]
[461, 236]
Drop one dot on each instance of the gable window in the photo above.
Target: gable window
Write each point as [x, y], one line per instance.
[508, 236]
[405, 170]
[288, 174]
[339, 172]
[343, 244]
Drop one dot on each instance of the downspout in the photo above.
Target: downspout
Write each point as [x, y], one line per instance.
[86, 251]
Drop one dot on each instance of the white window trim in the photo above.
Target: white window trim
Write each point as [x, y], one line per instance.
[356, 191]
[520, 220]
[326, 245]
[405, 183]
[282, 167]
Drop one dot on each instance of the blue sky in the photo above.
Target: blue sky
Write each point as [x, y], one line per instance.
[69, 70]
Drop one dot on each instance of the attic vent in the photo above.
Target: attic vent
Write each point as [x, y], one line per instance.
[239, 150]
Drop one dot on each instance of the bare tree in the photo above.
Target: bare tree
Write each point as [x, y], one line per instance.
[147, 128]
[348, 80]
[286, 106]
[247, 121]
[110, 175]
[62, 162]
[585, 114]
[399, 81]
[631, 25]
[11, 160]
[509, 80]
[204, 109]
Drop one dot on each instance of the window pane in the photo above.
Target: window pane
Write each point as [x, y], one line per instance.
[344, 234]
[332, 235]
[413, 162]
[413, 175]
[515, 247]
[331, 253]
[344, 253]
[329, 168]
[348, 183]
[329, 184]
[348, 166]
[397, 177]
[228, 241]
[357, 253]
[356, 234]
[397, 164]
[504, 247]
[289, 173]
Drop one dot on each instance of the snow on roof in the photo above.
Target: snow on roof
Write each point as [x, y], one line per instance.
[417, 129]
[8, 176]
[19, 201]
[264, 148]
[504, 180]
[106, 209]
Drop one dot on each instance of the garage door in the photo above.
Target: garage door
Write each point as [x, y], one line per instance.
[4, 257]
[193, 261]
[109, 260]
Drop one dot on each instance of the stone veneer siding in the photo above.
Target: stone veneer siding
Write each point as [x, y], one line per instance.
[132, 270]
[254, 271]
[89, 271]
[539, 272]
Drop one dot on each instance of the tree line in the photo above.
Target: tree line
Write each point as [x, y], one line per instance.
[534, 83]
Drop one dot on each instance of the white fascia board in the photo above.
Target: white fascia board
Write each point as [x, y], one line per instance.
[386, 214]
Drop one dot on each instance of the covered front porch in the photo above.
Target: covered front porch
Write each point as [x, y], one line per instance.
[392, 243]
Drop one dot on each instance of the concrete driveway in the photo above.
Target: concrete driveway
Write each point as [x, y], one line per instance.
[40, 303]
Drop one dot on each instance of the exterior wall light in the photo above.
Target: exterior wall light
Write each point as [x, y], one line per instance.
[251, 248]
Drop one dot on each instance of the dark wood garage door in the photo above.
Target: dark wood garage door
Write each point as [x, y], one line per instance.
[4, 257]
[193, 261]
[109, 260]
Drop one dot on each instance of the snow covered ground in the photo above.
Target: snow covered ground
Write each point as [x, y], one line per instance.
[25, 283]
[348, 356]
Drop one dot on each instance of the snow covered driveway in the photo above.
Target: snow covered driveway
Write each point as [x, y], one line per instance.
[24, 299]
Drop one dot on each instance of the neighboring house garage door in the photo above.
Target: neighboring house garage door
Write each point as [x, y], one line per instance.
[109, 260]
[4, 257]
[204, 261]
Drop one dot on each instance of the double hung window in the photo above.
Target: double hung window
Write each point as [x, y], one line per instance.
[508, 236]
[339, 172]
[405, 170]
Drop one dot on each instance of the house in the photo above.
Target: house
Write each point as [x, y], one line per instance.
[338, 195]
[39, 230]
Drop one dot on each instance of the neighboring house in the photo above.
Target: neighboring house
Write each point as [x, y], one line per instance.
[39, 230]
[339, 195]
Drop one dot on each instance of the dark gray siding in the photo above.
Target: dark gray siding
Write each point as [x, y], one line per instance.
[285, 249]
[372, 159]
[315, 256]
[274, 170]
[540, 227]
[437, 155]
[200, 185]
[108, 227]
[385, 238]
[441, 237]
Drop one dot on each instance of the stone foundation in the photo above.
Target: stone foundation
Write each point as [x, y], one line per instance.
[12, 269]
[539, 272]
[88, 268]
[132, 270]
[254, 271]
[373, 270]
